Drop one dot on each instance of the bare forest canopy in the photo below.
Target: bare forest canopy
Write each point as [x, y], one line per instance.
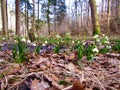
[45, 17]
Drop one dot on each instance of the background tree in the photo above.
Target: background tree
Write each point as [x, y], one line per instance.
[17, 9]
[94, 15]
[4, 17]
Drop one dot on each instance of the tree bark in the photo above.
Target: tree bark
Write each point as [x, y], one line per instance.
[94, 15]
[108, 15]
[33, 14]
[48, 17]
[4, 17]
[17, 4]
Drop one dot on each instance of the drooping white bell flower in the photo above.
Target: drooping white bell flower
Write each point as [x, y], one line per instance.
[95, 50]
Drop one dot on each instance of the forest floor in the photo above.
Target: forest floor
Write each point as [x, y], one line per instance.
[60, 72]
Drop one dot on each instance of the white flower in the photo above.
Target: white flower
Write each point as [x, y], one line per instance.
[103, 34]
[28, 41]
[58, 43]
[95, 50]
[107, 42]
[46, 42]
[16, 41]
[34, 44]
[73, 42]
[106, 37]
[78, 41]
[108, 47]
[1, 60]
[23, 39]
[3, 38]
[43, 44]
[95, 36]
[58, 36]
[98, 40]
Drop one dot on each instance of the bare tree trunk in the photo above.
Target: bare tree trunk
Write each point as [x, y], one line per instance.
[4, 17]
[48, 17]
[102, 9]
[38, 11]
[31, 31]
[17, 8]
[108, 15]
[94, 15]
[118, 10]
[55, 17]
[76, 16]
[33, 14]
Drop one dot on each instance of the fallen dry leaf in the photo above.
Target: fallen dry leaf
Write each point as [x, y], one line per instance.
[70, 67]
[36, 85]
[10, 69]
[77, 85]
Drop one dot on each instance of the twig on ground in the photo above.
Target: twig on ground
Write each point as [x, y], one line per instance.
[99, 82]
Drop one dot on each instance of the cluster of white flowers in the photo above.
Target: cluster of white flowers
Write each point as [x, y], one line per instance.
[95, 50]
[95, 36]
[108, 47]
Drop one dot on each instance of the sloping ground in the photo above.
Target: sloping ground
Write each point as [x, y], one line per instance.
[60, 72]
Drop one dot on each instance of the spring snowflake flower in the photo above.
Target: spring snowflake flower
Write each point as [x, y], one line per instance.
[46, 42]
[103, 34]
[106, 42]
[73, 42]
[98, 40]
[23, 39]
[28, 41]
[3, 38]
[15, 41]
[106, 38]
[1, 60]
[58, 36]
[95, 50]
[43, 44]
[108, 47]
[34, 44]
[78, 41]
[95, 36]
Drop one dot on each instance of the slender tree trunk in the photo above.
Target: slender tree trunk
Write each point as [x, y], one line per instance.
[118, 10]
[102, 9]
[108, 15]
[17, 3]
[27, 17]
[31, 31]
[76, 16]
[38, 11]
[33, 14]
[81, 13]
[55, 18]
[4, 17]
[48, 17]
[94, 15]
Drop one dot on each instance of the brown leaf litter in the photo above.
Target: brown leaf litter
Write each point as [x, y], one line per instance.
[60, 72]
